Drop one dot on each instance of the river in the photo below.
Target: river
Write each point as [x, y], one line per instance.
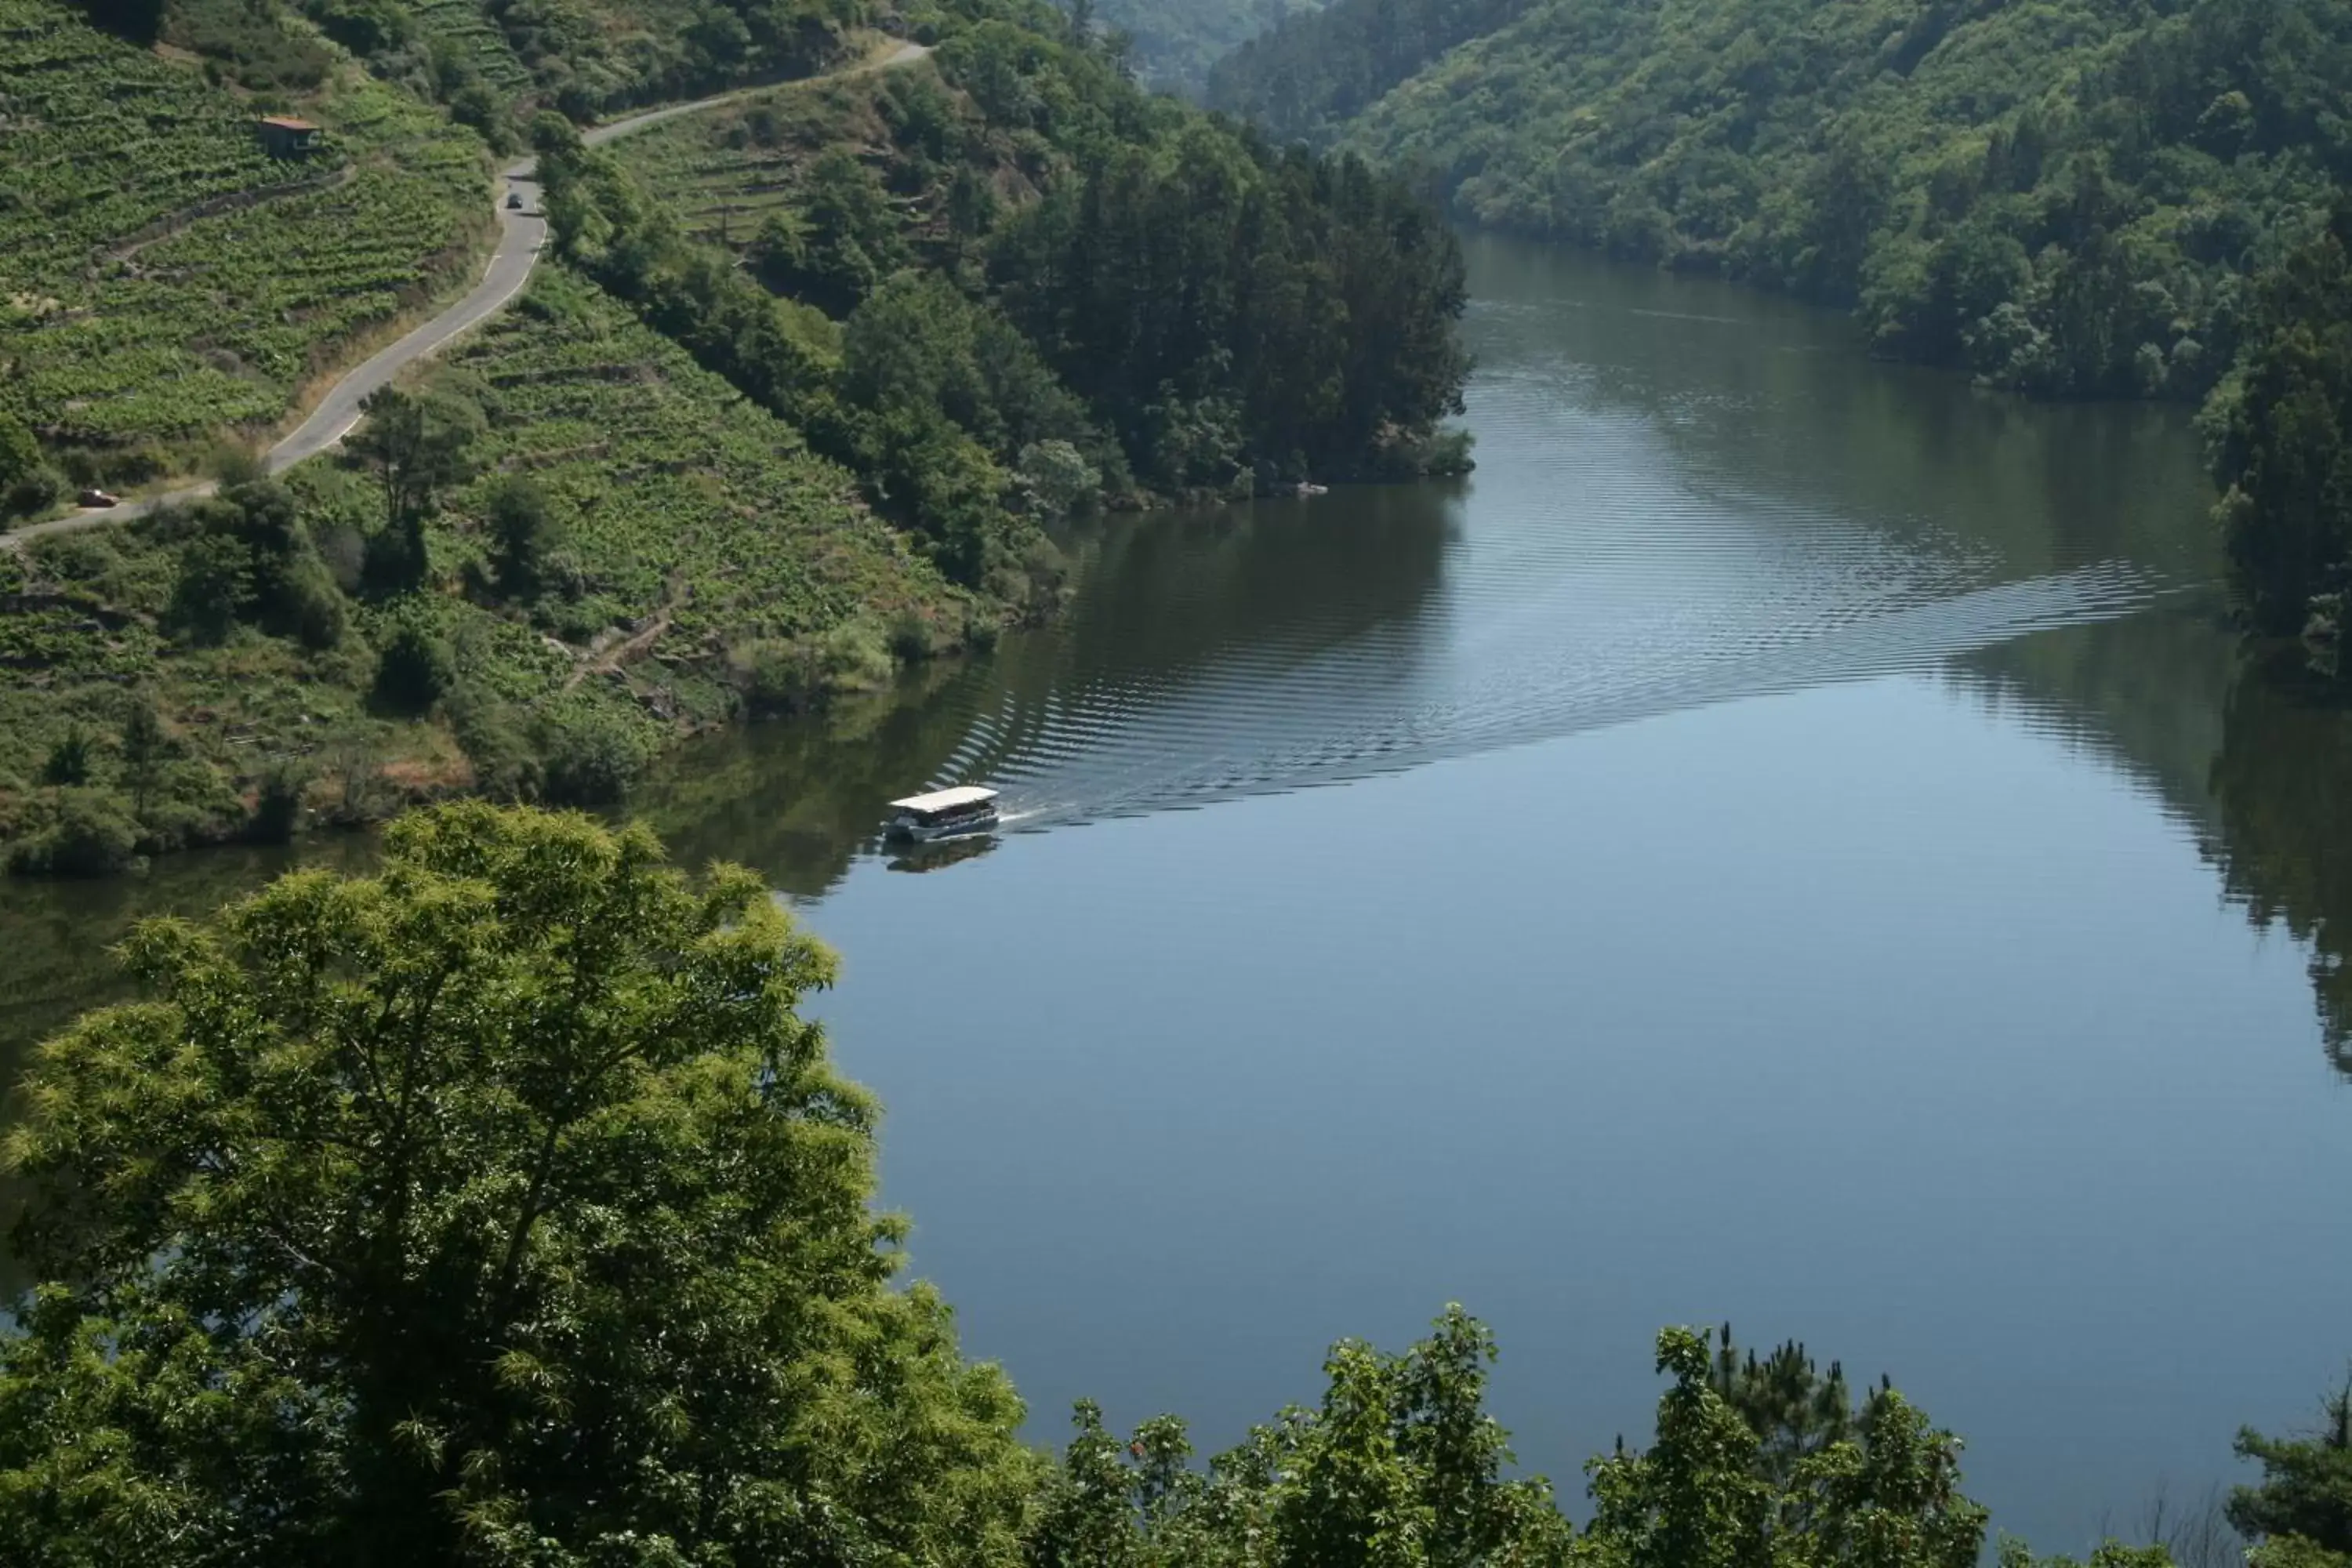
[1790, 839]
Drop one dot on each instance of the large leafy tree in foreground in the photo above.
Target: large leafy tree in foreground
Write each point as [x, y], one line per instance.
[498, 1209]
[501, 1209]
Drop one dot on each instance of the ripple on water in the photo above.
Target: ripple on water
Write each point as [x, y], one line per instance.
[1608, 577]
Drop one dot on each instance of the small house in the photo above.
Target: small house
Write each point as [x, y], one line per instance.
[285, 137]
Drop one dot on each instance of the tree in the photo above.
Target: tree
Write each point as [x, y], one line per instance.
[1401, 1465]
[521, 534]
[1794, 1411]
[140, 21]
[214, 576]
[1057, 476]
[148, 749]
[1707, 1494]
[552, 136]
[415, 666]
[20, 454]
[852, 239]
[2306, 1487]
[418, 447]
[498, 1209]
[2283, 457]
[251, 561]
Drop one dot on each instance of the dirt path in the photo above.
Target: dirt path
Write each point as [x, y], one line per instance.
[522, 231]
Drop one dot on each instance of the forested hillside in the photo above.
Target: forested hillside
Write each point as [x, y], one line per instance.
[2282, 430]
[2059, 196]
[797, 393]
[1176, 41]
[1307, 77]
[1187, 310]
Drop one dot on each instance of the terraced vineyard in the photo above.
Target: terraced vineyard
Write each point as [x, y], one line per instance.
[725, 172]
[693, 526]
[140, 317]
[99, 140]
[473, 40]
[678, 497]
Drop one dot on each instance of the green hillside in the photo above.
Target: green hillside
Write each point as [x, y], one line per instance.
[1176, 41]
[164, 279]
[2058, 196]
[797, 392]
[1306, 77]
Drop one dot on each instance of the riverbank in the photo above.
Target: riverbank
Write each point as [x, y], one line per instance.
[687, 479]
[1785, 764]
[641, 555]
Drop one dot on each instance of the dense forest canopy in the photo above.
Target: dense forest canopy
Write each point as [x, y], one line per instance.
[2283, 443]
[502, 1207]
[1115, 285]
[1307, 77]
[2059, 196]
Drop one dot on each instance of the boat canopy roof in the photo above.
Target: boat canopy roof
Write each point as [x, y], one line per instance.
[946, 800]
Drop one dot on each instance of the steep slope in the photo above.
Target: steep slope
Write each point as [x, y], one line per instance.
[164, 279]
[692, 475]
[1311, 73]
[1176, 41]
[2059, 196]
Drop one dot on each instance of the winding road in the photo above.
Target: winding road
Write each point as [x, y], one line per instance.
[522, 233]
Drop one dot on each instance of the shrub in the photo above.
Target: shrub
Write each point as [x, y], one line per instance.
[30, 494]
[588, 754]
[20, 454]
[89, 834]
[912, 637]
[81, 558]
[309, 608]
[497, 745]
[414, 668]
[233, 465]
[191, 803]
[772, 675]
[854, 657]
[214, 577]
[277, 804]
[360, 793]
[68, 761]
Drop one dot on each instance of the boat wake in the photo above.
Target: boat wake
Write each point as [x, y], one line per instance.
[1600, 574]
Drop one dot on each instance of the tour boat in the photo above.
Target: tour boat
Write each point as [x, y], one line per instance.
[943, 814]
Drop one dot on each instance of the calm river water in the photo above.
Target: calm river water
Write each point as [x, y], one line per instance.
[1809, 855]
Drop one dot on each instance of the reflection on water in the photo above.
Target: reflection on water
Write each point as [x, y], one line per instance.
[2284, 840]
[1677, 508]
[1688, 497]
[940, 854]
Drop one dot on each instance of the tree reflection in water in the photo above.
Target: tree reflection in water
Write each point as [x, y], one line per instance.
[2281, 784]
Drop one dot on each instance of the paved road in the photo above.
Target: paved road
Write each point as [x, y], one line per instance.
[522, 231]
